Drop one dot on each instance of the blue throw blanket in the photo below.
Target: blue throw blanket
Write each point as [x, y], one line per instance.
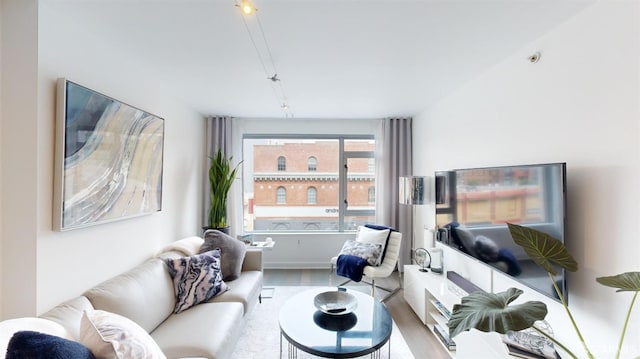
[351, 267]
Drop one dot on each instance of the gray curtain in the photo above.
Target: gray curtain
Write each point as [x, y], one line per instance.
[394, 156]
[218, 136]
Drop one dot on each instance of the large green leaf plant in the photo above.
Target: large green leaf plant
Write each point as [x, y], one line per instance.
[221, 177]
[492, 312]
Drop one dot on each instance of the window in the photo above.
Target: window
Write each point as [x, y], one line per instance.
[281, 195]
[298, 195]
[372, 194]
[312, 195]
[282, 163]
[371, 165]
[312, 164]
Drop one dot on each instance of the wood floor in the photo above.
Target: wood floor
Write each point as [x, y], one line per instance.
[421, 341]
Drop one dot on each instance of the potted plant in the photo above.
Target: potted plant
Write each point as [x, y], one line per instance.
[221, 177]
[491, 312]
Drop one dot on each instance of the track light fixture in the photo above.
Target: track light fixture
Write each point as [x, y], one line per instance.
[264, 52]
[246, 7]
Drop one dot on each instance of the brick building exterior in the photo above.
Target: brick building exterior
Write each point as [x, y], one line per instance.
[295, 184]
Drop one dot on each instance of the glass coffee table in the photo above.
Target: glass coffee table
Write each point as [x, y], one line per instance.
[361, 332]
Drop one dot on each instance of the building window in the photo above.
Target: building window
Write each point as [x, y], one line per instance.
[281, 195]
[312, 164]
[312, 195]
[282, 164]
[289, 195]
[371, 165]
[372, 194]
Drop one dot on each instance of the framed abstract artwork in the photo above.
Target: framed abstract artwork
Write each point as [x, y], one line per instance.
[108, 159]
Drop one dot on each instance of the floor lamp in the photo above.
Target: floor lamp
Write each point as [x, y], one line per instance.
[413, 192]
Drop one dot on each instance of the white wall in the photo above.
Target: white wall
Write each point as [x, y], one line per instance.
[19, 172]
[579, 104]
[41, 267]
[1, 201]
[105, 250]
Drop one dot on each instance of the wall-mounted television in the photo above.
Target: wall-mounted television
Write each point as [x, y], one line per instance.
[473, 206]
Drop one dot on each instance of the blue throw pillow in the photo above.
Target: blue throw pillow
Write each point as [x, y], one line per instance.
[513, 265]
[36, 345]
[380, 227]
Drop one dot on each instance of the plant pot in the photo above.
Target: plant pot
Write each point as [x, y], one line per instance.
[224, 230]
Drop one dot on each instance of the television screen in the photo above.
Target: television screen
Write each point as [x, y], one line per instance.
[474, 205]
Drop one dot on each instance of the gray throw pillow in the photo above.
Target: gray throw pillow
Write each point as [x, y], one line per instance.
[486, 249]
[232, 252]
[468, 240]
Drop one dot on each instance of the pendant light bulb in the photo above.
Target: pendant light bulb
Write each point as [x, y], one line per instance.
[246, 7]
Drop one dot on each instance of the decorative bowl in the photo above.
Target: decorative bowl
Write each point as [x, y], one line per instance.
[335, 302]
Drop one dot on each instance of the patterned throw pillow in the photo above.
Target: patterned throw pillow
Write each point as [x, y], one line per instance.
[196, 278]
[232, 252]
[369, 251]
[112, 336]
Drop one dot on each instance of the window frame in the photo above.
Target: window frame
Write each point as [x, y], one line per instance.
[314, 190]
[282, 159]
[313, 159]
[281, 194]
[343, 157]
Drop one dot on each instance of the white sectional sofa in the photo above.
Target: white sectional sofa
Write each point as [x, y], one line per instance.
[146, 295]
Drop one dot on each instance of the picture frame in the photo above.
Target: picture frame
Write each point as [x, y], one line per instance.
[108, 159]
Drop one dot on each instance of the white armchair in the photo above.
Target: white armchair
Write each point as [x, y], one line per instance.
[385, 269]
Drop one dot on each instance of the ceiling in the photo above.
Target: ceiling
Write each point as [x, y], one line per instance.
[335, 58]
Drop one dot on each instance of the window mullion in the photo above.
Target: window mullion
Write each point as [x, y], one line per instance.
[342, 184]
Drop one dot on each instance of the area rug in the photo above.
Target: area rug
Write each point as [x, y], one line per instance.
[261, 335]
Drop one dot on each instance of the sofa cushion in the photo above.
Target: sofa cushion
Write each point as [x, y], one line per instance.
[232, 252]
[196, 278]
[147, 286]
[245, 290]
[220, 324]
[36, 345]
[112, 336]
[69, 314]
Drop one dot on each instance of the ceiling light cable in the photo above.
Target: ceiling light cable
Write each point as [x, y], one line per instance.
[280, 95]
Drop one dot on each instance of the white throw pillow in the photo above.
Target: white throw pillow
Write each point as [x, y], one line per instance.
[373, 236]
[112, 336]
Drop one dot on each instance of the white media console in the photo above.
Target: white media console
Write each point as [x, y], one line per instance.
[432, 296]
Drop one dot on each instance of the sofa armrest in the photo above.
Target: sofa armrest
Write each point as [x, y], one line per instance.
[186, 246]
[252, 260]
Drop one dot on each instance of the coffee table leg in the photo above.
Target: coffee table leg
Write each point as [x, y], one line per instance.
[292, 351]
